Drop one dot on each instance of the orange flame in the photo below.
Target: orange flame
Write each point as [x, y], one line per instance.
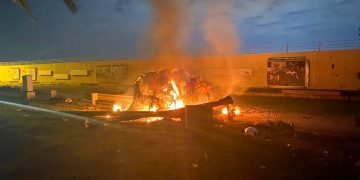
[117, 108]
[154, 108]
[178, 102]
[225, 111]
[237, 111]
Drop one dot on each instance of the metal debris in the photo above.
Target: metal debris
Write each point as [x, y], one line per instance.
[68, 100]
[195, 165]
[86, 123]
[325, 153]
[250, 131]
[206, 157]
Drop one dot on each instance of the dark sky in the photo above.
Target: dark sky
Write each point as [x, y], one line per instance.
[112, 28]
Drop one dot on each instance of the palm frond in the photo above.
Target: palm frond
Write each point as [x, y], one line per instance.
[71, 5]
[25, 6]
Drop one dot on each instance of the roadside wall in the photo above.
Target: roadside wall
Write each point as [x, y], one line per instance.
[330, 70]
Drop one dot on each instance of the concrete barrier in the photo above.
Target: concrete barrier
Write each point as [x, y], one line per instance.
[125, 101]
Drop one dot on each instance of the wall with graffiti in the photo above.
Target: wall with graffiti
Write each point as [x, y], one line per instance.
[288, 71]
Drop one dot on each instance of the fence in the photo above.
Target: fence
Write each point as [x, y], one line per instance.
[297, 47]
[258, 49]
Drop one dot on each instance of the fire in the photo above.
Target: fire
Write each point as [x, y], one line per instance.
[237, 111]
[170, 90]
[117, 108]
[233, 110]
[177, 101]
[153, 119]
[225, 111]
[154, 108]
[175, 87]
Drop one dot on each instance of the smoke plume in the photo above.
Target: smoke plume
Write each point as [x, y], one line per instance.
[165, 30]
[221, 37]
[219, 31]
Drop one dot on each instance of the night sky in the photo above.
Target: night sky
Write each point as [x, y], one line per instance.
[114, 28]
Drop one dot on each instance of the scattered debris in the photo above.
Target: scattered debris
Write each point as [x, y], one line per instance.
[86, 123]
[195, 165]
[176, 119]
[65, 119]
[53, 93]
[68, 100]
[18, 110]
[262, 167]
[106, 124]
[118, 151]
[57, 99]
[206, 157]
[250, 131]
[325, 153]
[25, 115]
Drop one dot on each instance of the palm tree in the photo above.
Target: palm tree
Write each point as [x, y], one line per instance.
[26, 7]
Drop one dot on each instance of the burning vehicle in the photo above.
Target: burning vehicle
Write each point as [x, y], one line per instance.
[170, 94]
[169, 90]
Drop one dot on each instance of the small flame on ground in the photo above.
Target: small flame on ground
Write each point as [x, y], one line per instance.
[153, 119]
[148, 119]
[117, 108]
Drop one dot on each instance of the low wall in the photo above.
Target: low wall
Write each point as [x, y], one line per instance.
[329, 70]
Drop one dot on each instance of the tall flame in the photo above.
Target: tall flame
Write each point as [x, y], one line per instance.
[178, 102]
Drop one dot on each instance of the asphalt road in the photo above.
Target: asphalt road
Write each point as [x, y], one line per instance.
[38, 145]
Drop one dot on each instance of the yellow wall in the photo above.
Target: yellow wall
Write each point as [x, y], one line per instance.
[220, 71]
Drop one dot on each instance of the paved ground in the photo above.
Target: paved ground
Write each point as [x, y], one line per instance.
[316, 116]
[38, 145]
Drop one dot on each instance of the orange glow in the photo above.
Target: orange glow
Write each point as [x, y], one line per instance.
[175, 87]
[117, 108]
[154, 108]
[108, 116]
[237, 111]
[178, 102]
[225, 111]
[153, 119]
